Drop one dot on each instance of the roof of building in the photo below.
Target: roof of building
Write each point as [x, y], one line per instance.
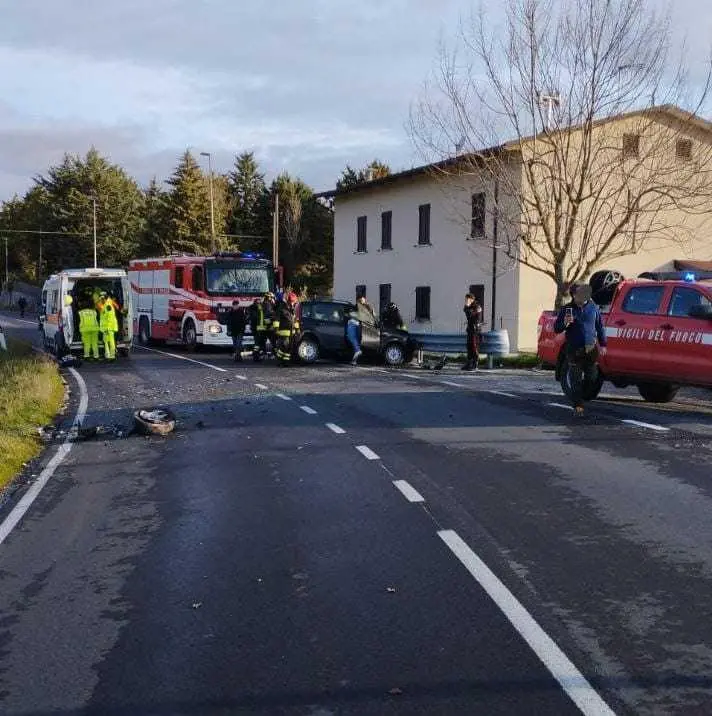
[512, 145]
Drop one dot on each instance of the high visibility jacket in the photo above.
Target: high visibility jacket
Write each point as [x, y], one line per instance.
[88, 322]
[286, 318]
[107, 318]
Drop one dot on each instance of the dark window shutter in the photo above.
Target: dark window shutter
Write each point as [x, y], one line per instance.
[386, 230]
[361, 234]
[384, 295]
[424, 224]
[422, 303]
[477, 230]
[360, 290]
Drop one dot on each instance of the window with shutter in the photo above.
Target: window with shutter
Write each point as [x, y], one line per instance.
[422, 303]
[424, 224]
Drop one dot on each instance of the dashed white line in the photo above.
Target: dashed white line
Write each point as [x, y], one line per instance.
[410, 375]
[453, 384]
[18, 512]
[335, 429]
[307, 409]
[261, 386]
[241, 377]
[502, 392]
[282, 396]
[190, 360]
[408, 491]
[367, 452]
[571, 680]
[649, 426]
[560, 405]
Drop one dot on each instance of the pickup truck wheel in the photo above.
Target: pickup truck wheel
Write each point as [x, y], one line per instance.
[190, 336]
[590, 391]
[308, 350]
[657, 392]
[394, 354]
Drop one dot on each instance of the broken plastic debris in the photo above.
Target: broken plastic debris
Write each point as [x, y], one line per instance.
[197, 605]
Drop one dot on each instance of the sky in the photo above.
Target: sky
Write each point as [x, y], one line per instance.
[308, 85]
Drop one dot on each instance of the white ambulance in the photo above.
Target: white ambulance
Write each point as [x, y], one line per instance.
[64, 293]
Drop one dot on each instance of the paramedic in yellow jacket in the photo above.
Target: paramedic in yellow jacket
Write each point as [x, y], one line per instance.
[89, 330]
[109, 325]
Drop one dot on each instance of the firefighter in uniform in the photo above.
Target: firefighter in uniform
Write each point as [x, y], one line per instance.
[261, 320]
[473, 316]
[89, 330]
[287, 328]
[109, 325]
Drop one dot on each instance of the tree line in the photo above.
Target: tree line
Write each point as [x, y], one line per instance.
[51, 226]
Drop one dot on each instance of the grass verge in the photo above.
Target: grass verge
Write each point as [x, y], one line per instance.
[31, 393]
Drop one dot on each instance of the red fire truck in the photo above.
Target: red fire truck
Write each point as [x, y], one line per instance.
[179, 298]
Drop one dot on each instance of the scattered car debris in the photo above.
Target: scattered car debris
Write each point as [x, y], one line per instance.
[154, 421]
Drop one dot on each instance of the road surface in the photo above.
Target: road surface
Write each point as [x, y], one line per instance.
[329, 540]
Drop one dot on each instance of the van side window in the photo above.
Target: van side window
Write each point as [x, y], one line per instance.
[197, 278]
[179, 277]
[643, 299]
[683, 299]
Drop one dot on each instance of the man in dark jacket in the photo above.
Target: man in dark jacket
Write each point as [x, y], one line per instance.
[585, 337]
[288, 327]
[236, 324]
[473, 316]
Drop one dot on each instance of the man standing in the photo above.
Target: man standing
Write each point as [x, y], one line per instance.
[581, 321]
[22, 304]
[236, 324]
[89, 331]
[288, 326]
[473, 316]
[109, 325]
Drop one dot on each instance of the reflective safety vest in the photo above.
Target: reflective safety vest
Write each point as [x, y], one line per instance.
[107, 318]
[261, 325]
[88, 322]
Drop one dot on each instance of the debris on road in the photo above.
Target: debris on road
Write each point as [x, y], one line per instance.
[154, 421]
[391, 590]
[197, 605]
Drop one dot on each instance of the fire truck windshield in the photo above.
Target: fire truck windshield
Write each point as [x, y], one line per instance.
[238, 280]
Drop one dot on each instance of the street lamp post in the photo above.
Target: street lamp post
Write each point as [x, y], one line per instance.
[212, 203]
[93, 199]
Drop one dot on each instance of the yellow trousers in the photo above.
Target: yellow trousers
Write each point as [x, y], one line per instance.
[109, 345]
[90, 342]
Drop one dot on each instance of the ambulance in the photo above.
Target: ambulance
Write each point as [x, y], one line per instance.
[62, 297]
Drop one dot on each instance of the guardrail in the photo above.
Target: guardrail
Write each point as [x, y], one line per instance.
[494, 343]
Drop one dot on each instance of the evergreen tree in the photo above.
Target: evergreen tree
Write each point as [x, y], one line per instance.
[153, 241]
[247, 198]
[350, 177]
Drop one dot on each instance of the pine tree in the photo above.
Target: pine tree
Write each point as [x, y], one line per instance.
[247, 192]
[155, 234]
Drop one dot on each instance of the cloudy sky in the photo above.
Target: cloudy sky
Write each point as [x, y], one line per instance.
[309, 85]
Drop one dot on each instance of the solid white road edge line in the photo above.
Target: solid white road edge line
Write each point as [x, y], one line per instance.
[502, 392]
[307, 409]
[650, 426]
[335, 428]
[261, 386]
[408, 491]
[572, 681]
[453, 384]
[190, 360]
[367, 452]
[18, 512]
[560, 405]
[282, 396]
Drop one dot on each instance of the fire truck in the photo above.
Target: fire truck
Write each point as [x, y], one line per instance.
[182, 298]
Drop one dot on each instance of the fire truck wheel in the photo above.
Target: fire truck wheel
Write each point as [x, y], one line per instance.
[657, 392]
[190, 335]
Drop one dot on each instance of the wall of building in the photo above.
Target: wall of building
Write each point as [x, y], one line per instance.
[449, 265]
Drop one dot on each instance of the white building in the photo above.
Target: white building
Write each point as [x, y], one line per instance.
[423, 240]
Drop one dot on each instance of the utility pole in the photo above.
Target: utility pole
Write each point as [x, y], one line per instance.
[551, 100]
[212, 204]
[275, 231]
[39, 264]
[7, 268]
[93, 199]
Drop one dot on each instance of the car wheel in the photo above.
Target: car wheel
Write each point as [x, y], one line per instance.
[657, 392]
[190, 336]
[144, 332]
[394, 354]
[308, 350]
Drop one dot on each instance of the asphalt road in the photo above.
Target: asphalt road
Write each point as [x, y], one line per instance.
[266, 557]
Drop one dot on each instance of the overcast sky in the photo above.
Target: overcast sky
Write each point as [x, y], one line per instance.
[309, 85]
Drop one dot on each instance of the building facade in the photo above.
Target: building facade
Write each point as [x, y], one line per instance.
[423, 239]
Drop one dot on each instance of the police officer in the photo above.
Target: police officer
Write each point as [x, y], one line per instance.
[287, 328]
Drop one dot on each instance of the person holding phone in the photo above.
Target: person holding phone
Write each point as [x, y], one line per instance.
[585, 337]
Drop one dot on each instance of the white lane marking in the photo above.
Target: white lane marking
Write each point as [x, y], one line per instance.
[282, 396]
[18, 512]
[650, 426]
[190, 360]
[410, 375]
[453, 384]
[572, 681]
[367, 452]
[261, 386]
[335, 429]
[307, 409]
[502, 392]
[560, 405]
[19, 320]
[241, 377]
[408, 491]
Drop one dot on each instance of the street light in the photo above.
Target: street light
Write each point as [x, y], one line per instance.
[93, 200]
[212, 205]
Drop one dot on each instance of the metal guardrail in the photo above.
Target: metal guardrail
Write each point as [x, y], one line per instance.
[455, 343]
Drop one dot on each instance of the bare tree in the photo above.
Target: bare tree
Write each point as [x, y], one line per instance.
[579, 104]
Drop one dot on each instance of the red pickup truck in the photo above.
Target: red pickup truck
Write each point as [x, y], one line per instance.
[659, 337]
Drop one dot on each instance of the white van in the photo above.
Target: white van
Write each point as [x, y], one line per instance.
[64, 293]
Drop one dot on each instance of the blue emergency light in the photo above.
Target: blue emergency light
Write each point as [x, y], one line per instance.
[688, 276]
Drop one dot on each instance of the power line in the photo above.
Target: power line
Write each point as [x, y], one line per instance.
[40, 231]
